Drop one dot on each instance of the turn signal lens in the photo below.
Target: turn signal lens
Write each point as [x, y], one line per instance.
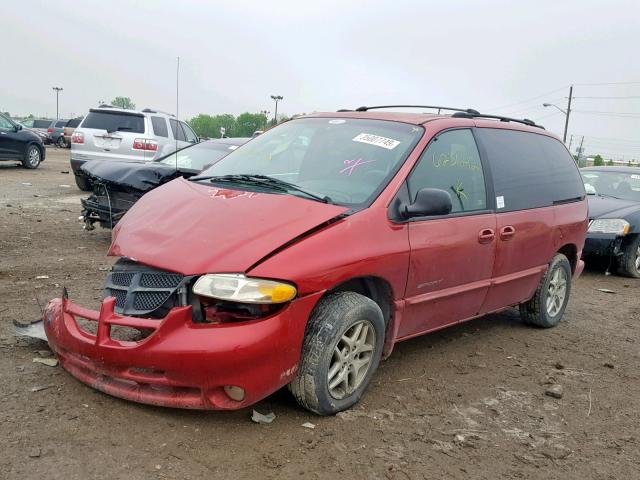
[238, 288]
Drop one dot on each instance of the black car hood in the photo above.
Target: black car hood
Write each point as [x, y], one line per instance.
[608, 207]
[129, 176]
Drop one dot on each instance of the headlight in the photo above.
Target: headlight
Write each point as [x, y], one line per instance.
[609, 225]
[238, 288]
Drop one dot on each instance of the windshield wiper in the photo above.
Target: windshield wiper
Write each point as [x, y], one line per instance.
[264, 181]
[607, 195]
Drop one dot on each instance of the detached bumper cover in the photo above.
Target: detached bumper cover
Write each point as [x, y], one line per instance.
[180, 364]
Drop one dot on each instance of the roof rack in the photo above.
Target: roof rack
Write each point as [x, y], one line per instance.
[149, 110]
[524, 121]
[459, 113]
[377, 107]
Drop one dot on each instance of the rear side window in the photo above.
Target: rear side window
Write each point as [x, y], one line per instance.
[451, 162]
[61, 123]
[159, 126]
[114, 122]
[41, 123]
[529, 170]
[74, 122]
[176, 129]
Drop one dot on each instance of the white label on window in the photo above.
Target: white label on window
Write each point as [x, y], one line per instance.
[233, 147]
[636, 177]
[500, 201]
[377, 140]
[337, 121]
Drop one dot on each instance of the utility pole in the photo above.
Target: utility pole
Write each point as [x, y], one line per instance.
[276, 98]
[566, 120]
[58, 90]
[570, 141]
[580, 152]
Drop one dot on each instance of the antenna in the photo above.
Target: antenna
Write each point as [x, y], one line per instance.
[177, 110]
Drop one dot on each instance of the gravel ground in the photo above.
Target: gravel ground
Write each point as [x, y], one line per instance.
[467, 402]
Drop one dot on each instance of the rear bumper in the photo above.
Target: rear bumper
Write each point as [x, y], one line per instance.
[181, 364]
[602, 245]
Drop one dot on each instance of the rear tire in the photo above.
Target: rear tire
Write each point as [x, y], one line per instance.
[83, 183]
[341, 351]
[60, 143]
[629, 261]
[32, 156]
[547, 306]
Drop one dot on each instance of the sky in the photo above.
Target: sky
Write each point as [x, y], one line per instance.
[503, 57]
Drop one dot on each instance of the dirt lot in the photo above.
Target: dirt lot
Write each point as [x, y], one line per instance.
[468, 402]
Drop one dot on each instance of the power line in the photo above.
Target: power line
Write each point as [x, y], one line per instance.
[605, 83]
[529, 99]
[612, 98]
[615, 139]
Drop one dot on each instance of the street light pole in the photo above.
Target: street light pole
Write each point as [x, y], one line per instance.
[58, 90]
[566, 112]
[276, 98]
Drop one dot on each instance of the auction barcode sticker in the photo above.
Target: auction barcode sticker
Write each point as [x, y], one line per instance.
[377, 140]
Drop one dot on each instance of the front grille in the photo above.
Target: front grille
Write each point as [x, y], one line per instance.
[149, 300]
[160, 280]
[141, 290]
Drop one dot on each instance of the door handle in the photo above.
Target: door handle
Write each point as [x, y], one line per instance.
[486, 235]
[507, 233]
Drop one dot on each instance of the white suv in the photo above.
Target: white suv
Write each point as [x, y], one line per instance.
[115, 134]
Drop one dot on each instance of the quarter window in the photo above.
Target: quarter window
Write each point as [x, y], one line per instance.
[451, 162]
[159, 127]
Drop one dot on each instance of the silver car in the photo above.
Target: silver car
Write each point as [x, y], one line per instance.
[115, 134]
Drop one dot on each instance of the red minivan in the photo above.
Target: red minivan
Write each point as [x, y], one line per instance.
[303, 256]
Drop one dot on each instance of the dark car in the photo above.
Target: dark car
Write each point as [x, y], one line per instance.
[614, 217]
[56, 132]
[118, 185]
[17, 143]
[41, 126]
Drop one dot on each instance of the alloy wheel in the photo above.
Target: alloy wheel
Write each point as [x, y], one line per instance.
[34, 156]
[556, 292]
[351, 358]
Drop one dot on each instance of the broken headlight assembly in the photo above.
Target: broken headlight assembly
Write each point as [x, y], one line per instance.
[236, 298]
[609, 225]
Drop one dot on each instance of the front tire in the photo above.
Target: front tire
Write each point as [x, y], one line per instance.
[341, 351]
[83, 183]
[547, 306]
[32, 157]
[629, 262]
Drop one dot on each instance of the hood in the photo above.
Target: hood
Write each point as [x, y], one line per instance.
[607, 207]
[129, 176]
[193, 228]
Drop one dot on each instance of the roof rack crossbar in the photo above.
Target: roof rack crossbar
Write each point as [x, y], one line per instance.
[524, 121]
[377, 107]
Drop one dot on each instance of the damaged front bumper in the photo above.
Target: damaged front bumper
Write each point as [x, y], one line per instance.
[105, 210]
[180, 364]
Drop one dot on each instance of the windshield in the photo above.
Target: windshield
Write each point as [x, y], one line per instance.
[625, 186]
[346, 160]
[199, 156]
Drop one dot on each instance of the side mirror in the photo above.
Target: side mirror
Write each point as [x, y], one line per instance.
[18, 127]
[429, 201]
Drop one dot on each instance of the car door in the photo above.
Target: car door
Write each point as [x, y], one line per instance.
[189, 134]
[10, 145]
[452, 256]
[524, 182]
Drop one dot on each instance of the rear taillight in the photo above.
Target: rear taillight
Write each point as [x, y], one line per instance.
[145, 144]
[49, 130]
[77, 137]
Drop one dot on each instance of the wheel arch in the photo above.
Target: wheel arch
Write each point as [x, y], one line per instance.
[570, 251]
